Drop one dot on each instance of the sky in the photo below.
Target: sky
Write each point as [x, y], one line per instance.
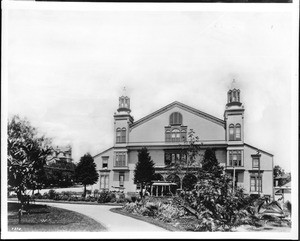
[67, 68]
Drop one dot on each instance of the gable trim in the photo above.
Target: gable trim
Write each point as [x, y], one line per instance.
[253, 147]
[102, 152]
[183, 106]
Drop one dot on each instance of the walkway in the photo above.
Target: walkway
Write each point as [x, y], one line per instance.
[112, 221]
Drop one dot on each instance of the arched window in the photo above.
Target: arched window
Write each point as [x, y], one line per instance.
[231, 132]
[175, 135]
[237, 132]
[118, 135]
[175, 118]
[123, 135]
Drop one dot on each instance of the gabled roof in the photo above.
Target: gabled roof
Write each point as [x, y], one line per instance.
[102, 152]
[182, 106]
[259, 149]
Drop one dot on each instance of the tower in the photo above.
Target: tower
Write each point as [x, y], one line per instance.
[234, 117]
[122, 120]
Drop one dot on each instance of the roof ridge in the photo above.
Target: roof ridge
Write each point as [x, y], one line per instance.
[189, 108]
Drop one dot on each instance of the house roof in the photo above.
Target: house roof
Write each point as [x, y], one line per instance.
[259, 149]
[182, 106]
[103, 152]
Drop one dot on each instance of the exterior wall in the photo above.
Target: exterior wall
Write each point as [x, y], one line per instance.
[154, 129]
[266, 168]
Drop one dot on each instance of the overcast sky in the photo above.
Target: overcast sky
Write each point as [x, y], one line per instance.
[66, 70]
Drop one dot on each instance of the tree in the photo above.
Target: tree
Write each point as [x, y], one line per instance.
[86, 172]
[212, 199]
[189, 162]
[278, 171]
[210, 165]
[27, 154]
[144, 169]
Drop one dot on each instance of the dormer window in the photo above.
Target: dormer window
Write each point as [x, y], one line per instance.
[175, 118]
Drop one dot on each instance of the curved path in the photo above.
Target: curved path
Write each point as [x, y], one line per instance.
[112, 221]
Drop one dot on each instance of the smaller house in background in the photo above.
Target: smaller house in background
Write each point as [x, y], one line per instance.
[282, 187]
[283, 193]
[61, 154]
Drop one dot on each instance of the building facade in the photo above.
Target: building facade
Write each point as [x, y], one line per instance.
[164, 132]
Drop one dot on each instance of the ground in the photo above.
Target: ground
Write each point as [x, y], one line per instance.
[43, 218]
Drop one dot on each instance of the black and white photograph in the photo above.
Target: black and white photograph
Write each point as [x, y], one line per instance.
[149, 120]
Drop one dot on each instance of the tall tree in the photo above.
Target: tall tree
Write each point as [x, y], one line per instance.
[144, 169]
[86, 172]
[210, 164]
[27, 154]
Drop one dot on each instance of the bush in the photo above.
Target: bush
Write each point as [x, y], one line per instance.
[96, 191]
[121, 198]
[103, 197]
[130, 207]
[37, 196]
[72, 198]
[52, 194]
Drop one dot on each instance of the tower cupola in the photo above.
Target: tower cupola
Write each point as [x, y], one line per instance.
[233, 96]
[124, 103]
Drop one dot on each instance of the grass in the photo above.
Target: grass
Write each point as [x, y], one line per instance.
[42, 218]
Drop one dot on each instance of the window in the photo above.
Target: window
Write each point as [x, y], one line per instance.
[175, 118]
[237, 132]
[175, 136]
[118, 133]
[172, 156]
[235, 158]
[255, 183]
[255, 162]
[123, 135]
[231, 132]
[104, 162]
[168, 135]
[121, 179]
[104, 182]
[120, 160]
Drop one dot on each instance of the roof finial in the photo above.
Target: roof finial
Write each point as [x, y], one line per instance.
[233, 83]
[124, 91]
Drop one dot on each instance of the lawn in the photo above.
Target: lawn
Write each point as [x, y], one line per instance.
[42, 218]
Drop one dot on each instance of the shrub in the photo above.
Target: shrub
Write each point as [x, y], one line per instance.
[38, 195]
[72, 198]
[130, 207]
[52, 194]
[96, 191]
[104, 197]
[64, 197]
[120, 198]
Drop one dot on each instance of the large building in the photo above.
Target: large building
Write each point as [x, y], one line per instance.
[164, 133]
